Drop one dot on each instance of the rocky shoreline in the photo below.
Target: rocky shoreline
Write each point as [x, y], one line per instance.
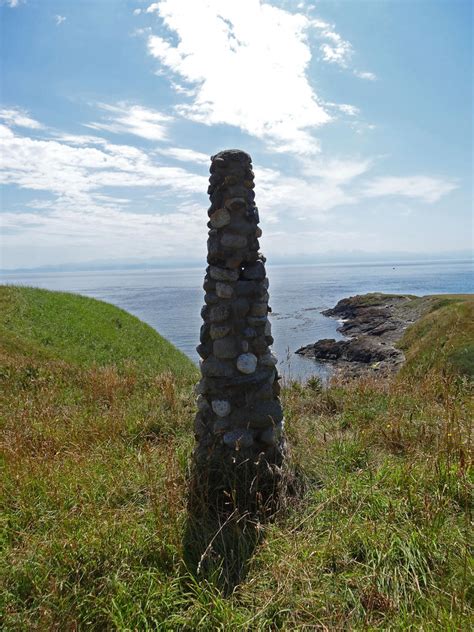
[372, 325]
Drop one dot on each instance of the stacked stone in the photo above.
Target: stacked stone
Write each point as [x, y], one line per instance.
[239, 412]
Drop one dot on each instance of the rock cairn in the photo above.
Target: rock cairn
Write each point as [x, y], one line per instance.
[240, 418]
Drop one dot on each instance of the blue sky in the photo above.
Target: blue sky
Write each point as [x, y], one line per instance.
[357, 115]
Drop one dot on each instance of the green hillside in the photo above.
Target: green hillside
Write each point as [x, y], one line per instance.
[96, 411]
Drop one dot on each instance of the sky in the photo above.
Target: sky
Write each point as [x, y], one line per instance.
[357, 114]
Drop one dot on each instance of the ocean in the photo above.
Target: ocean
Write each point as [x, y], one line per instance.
[170, 300]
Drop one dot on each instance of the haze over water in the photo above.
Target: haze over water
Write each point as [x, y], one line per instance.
[170, 300]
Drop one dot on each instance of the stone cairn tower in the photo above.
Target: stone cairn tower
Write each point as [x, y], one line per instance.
[239, 424]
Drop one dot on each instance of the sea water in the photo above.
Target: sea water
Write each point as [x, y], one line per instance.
[170, 300]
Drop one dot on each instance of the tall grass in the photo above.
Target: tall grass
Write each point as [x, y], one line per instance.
[94, 502]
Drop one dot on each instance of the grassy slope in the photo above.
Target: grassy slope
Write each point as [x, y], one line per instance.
[97, 437]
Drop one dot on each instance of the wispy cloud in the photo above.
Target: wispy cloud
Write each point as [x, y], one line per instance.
[18, 118]
[184, 155]
[368, 76]
[246, 72]
[125, 118]
[336, 50]
[425, 188]
[13, 3]
[59, 19]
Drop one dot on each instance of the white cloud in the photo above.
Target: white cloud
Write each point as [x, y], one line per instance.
[185, 155]
[336, 50]
[13, 3]
[18, 118]
[59, 19]
[425, 188]
[247, 62]
[125, 118]
[369, 76]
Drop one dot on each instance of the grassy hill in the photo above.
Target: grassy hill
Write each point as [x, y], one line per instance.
[97, 433]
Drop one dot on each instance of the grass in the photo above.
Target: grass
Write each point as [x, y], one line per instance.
[97, 437]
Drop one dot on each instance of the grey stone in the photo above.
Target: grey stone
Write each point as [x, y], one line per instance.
[223, 274]
[231, 240]
[268, 359]
[245, 346]
[245, 288]
[219, 331]
[226, 348]
[221, 407]
[220, 218]
[240, 308]
[211, 298]
[261, 414]
[271, 436]
[249, 332]
[247, 363]
[259, 345]
[258, 232]
[268, 328]
[259, 309]
[223, 290]
[213, 367]
[221, 425]
[238, 439]
[202, 404]
[257, 321]
[218, 313]
[254, 272]
[204, 349]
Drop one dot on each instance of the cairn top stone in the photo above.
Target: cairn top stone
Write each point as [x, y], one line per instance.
[232, 155]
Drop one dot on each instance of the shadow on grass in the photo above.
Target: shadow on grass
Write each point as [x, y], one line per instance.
[228, 508]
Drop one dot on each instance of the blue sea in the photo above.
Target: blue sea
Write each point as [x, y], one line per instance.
[171, 300]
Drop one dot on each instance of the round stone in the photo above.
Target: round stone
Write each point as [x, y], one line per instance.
[258, 232]
[220, 218]
[238, 439]
[221, 407]
[223, 290]
[223, 274]
[247, 363]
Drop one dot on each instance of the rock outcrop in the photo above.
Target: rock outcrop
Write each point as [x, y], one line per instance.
[372, 324]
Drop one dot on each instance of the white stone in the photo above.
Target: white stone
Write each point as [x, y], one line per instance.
[223, 290]
[221, 407]
[247, 363]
